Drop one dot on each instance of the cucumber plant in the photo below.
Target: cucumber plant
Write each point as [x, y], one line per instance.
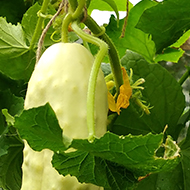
[85, 106]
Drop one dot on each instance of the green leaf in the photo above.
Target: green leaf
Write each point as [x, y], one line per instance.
[9, 101]
[176, 179]
[181, 40]
[40, 127]
[29, 21]
[106, 5]
[16, 87]
[4, 146]
[113, 5]
[90, 169]
[134, 39]
[12, 103]
[169, 21]
[12, 41]
[19, 67]
[10, 144]
[12, 10]
[136, 153]
[10, 166]
[170, 54]
[16, 60]
[172, 180]
[10, 159]
[109, 161]
[161, 91]
[82, 165]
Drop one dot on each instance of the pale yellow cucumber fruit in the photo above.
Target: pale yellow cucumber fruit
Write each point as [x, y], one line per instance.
[61, 78]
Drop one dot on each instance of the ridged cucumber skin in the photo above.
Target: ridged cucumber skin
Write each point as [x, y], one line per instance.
[61, 78]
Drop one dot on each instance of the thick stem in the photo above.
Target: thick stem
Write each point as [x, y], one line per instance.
[73, 4]
[79, 9]
[185, 76]
[74, 14]
[93, 76]
[38, 28]
[113, 54]
[67, 20]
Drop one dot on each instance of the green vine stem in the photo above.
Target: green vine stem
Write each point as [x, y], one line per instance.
[38, 28]
[113, 54]
[64, 31]
[185, 76]
[93, 76]
[73, 14]
[78, 10]
[73, 4]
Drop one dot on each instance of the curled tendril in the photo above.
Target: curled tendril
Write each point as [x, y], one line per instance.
[52, 37]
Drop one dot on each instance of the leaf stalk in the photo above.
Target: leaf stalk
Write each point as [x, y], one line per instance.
[73, 14]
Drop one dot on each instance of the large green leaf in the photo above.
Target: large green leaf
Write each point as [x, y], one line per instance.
[19, 67]
[39, 126]
[113, 157]
[10, 166]
[136, 153]
[12, 41]
[161, 91]
[90, 169]
[17, 61]
[134, 39]
[166, 22]
[176, 179]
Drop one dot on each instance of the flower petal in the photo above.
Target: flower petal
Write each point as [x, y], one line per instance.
[111, 102]
[122, 100]
[126, 83]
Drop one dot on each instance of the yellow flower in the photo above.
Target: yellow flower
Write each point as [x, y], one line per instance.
[123, 97]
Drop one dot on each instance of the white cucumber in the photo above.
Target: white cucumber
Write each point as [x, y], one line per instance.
[61, 78]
